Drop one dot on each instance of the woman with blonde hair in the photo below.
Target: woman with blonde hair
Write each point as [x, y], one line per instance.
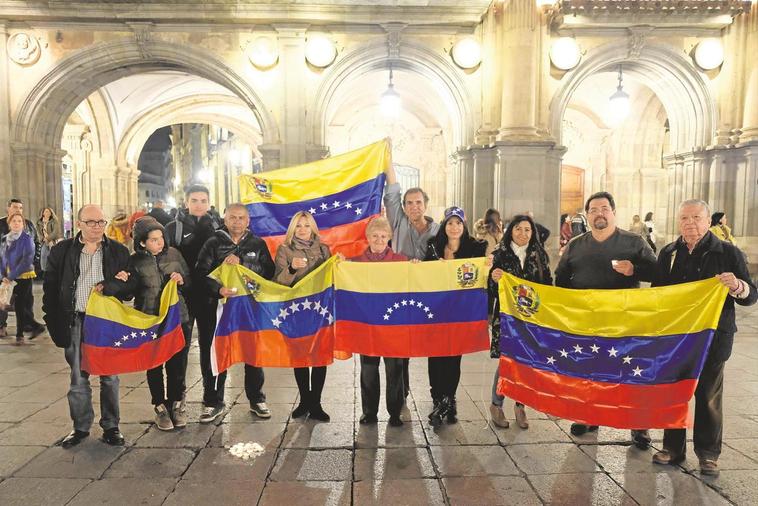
[301, 253]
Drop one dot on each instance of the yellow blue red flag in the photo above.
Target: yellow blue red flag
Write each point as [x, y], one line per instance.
[621, 358]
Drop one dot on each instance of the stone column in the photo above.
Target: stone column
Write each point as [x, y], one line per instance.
[750, 118]
[36, 176]
[519, 67]
[293, 98]
[464, 180]
[6, 181]
[527, 177]
[689, 176]
[271, 154]
[314, 153]
[485, 159]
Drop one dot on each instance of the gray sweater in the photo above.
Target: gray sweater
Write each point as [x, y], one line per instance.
[586, 263]
[405, 238]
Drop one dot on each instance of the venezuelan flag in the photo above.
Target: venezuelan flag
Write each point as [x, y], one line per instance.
[342, 193]
[270, 325]
[620, 358]
[119, 339]
[400, 309]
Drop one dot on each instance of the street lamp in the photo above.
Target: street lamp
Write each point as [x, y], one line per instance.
[619, 102]
[390, 103]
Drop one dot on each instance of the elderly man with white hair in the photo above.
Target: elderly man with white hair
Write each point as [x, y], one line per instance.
[698, 254]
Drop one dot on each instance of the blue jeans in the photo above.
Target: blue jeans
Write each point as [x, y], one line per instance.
[80, 392]
[497, 400]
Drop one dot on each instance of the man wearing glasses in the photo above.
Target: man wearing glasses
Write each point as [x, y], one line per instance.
[75, 267]
[606, 257]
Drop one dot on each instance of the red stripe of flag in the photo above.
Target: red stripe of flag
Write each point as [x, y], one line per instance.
[349, 239]
[624, 406]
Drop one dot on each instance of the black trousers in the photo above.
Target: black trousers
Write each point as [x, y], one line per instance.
[24, 313]
[709, 416]
[406, 377]
[310, 383]
[444, 376]
[176, 372]
[213, 386]
[370, 386]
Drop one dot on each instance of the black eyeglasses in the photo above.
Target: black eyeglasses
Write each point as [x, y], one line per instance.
[95, 223]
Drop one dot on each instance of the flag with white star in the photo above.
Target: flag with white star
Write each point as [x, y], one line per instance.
[119, 339]
[401, 309]
[621, 358]
[342, 193]
[266, 324]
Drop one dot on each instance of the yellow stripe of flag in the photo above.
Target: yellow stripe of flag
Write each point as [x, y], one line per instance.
[677, 309]
[316, 179]
[110, 308]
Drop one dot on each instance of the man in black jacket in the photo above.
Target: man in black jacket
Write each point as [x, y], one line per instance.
[89, 261]
[188, 233]
[236, 245]
[698, 254]
[160, 214]
[606, 258]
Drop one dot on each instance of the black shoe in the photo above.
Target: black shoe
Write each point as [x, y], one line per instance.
[641, 439]
[577, 429]
[300, 411]
[452, 410]
[395, 421]
[73, 439]
[318, 413]
[113, 437]
[439, 412]
[368, 419]
[37, 330]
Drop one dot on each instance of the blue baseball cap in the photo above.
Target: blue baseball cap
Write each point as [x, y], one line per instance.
[454, 211]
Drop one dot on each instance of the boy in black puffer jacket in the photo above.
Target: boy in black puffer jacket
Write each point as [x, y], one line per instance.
[151, 266]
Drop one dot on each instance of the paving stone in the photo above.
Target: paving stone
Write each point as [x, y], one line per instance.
[490, 490]
[671, 487]
[217, 465]
[740, 487]
[269, 435]
[21, 379]
[319, 435]
[14, 457]
[473, 461]
[539, 431]
[461, 433]
[747, 447]
[603, 434]
[195, 435]
[392, 464]
[382, 435]
[467, 410]
[280, 395]
[413, 492]
[531, 414]
[133, 395]
[334, 395]
[729, 459]
[319, 465]
[44, 391]
[136, 413]
[6, 425]
[26, 491]
[242, 493]
[326, 493]
[34, 433]
[551, 459]
[15, 412]
[89, 459]
[125, 491]
[579, 488]
[54, 412]
[151, 462]
[340, 412]
[6, 390]
[240, 413]
[740, 426]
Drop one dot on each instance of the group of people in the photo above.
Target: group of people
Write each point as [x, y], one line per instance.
[188, 248]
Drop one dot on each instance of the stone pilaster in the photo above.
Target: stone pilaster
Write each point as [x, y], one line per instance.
[293, 98]
[36, 175]
[750, 117]
[485, 160]
[463, 179]
[271, 154]
[6, 181]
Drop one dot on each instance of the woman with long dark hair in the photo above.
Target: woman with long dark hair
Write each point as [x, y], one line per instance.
[521, 254]
[451, 242]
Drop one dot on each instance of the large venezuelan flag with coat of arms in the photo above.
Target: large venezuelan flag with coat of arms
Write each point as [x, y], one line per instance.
[271, 325]
[621, 358]
[341, 192]
[404, 309]
[118, 339]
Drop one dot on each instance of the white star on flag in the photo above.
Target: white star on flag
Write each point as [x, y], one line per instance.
[323, 311]
[595, 348]
[426, 309]
[336, 203]
[627, 360]
[330, 319]
[283, 313]
[404, 302]
[154, 335]
[143, 333]
[294, 307]
[430, 316]
[564, 353]
[316, 306]
[413, 302]
[396, 305]
[637, 371]
[348, 205]
[419, 304]
[275, 322]
[550, 360]
[389, 310]
[577, 348]
[324, 207]
[117, 343]
[125, 338]
[613, 352]
[312, 210]
[134, 334]
[386, 317]
[358, 211]
[306, 304]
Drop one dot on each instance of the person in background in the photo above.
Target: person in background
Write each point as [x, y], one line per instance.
[638, 227]
[301, 253]
[489, 229]
[522, 255]
[542, 231]
[452, 241]
[579, 224]
[159, 213]
[378, 234]
[720, 229]
[48, 232]
[565, 231]
[17, 264]
[650, 224]
[118, 229]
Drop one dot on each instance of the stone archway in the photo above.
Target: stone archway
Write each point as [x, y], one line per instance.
[38, 127]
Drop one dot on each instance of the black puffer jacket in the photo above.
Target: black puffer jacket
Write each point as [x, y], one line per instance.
[61, 275]
[188, 234]
[715, 257]
[536, 268]
[251, 250]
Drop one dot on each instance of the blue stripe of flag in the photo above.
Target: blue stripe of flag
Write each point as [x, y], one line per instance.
[106, 333]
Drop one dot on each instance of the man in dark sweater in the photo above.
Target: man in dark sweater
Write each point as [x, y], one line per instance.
[699, 254]
[606, 258]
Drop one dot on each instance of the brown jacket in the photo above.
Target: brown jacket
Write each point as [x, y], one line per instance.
[316, 255]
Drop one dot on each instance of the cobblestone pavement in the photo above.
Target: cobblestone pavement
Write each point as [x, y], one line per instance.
[343, 462]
